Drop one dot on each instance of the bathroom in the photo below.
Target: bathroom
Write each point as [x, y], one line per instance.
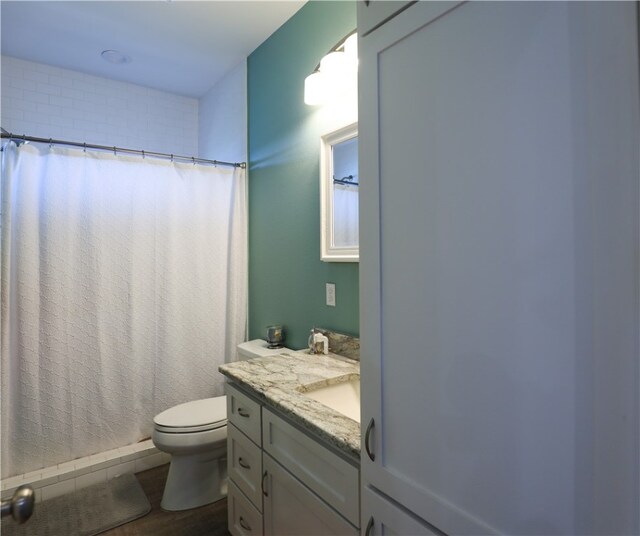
[253, 111]
[211, 122]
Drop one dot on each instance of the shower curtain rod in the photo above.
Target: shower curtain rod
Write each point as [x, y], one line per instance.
[51, 141]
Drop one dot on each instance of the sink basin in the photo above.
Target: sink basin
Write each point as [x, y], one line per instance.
[342, 397]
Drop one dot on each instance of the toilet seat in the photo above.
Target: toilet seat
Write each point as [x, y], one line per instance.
[195, 416]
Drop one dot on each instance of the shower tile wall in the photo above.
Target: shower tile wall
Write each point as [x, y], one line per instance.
[45, 101]
[83, 472]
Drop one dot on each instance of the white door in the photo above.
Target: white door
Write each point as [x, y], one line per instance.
[498, 269]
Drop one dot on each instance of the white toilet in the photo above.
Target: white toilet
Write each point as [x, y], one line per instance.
[195, 434]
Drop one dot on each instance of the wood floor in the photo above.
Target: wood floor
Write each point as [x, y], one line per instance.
[210, 520]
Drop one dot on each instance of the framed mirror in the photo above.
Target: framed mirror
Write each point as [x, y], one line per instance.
[339, 185]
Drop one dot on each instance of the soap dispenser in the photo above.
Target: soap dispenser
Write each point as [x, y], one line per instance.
[322, 343]
[318, 343]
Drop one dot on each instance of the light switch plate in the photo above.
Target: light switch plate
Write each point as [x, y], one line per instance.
[331, 294]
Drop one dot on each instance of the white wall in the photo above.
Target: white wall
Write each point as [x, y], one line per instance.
[223, 118]
[45, 101]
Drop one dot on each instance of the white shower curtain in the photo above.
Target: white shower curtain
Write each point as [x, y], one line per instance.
[345, 215]
[123, 289]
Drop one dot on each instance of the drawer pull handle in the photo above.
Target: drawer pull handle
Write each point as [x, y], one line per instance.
[367, 531]
[243, 413]
[244, 524]
[367, 438]
[264, 491]
[243, 464]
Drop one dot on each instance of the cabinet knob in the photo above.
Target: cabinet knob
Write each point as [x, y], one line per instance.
[367, 439]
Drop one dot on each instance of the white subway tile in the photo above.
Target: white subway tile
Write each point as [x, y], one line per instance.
[62, 81]
[46, 479]
[21, 83]
[71, 93]
[35, 96]
[13, 482]
[65, 102]
[121, 469]
[48, 89]
[9, 113]
[13, 92]
[89, 479]
[57, 489]
[33, 475]
[112, 454]
[36, 76]
[149, 462]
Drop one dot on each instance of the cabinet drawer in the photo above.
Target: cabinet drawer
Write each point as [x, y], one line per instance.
[387, 518]
[290, 509]
[244, 413]
[325, 473]
[373, 13]
[244, 461]
[244, 519]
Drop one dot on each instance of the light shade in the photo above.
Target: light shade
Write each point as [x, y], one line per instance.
[334, 64]
[351, 47]
[336, 77]
[314, 89]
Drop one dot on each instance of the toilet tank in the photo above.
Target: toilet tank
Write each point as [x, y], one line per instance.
[257, 348]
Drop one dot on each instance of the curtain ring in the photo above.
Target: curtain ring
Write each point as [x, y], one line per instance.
[50, 143]
[194, 160]
[85, 147]
[172, 157]
[143, 154]
[114, 151]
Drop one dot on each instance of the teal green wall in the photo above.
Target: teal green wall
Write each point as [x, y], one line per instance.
[286, 276]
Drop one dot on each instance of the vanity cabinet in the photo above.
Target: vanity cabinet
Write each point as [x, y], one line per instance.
[498, 274]
[283, 481]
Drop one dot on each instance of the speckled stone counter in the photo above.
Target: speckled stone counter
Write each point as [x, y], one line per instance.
[280, 381]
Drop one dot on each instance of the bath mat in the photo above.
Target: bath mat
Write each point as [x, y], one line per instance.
[85, 512]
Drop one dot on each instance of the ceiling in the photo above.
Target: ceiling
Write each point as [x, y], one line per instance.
[182, 47]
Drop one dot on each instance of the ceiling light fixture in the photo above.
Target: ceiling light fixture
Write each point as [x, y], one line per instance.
[336, 75]
[115, 56]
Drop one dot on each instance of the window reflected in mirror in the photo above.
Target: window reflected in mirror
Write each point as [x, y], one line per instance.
[339, 187]
[345, 194]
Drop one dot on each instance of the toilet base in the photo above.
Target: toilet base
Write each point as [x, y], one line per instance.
[195, 480]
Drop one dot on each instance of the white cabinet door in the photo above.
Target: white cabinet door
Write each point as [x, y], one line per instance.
[330, 477]
[498, 270]
[291, 509]
[383, 518]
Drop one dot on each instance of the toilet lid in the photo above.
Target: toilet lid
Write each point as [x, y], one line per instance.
[197, 415]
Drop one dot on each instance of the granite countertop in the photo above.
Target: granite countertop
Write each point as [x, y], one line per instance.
[281, 380]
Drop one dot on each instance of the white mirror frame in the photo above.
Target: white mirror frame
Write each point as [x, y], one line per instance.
[328, 252]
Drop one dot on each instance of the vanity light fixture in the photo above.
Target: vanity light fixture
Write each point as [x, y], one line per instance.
[336, 74]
